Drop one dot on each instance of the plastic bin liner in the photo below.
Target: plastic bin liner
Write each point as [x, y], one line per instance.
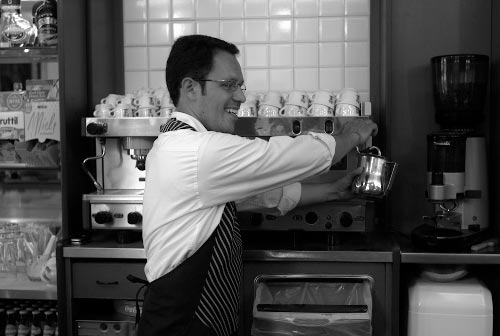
[312, 308]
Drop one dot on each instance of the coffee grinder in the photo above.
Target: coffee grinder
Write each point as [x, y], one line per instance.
[457, 182]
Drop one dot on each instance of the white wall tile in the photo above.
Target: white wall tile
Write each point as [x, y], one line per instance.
[159, 33]
[257, 55]
[281, 55]
[331, 54]
[256, 8]
[134, 80]
[358, 77]
[357, 28]
[158, 57]
[331, 29]
[231, 9]
[136, 58]
[331, 79]
[241, 56]
[256, 30]
[207, 9]
[306, 55]
[306, 79]
[280, 30]
[134, 34]
[306, 8]
[257, 80]
[357, 7]
[306, 30]
[331, 8]
[134, 10]
[182, 28]
[357, 54]
[183, 9]
[280, 7]
[158, 9]
[232, 30]
[210, 28]
[281, 79]
[284, 44]
[157, 79]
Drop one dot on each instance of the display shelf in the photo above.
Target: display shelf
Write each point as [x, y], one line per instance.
[23, 288]
[28, 55]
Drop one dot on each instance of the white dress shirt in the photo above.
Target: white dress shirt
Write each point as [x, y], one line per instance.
[190, 176]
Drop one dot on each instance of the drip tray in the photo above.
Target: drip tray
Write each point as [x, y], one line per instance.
[431, 238]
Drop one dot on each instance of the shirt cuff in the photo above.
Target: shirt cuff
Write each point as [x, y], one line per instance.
[290, 197]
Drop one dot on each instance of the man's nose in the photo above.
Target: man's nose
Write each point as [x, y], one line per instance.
[239, 95]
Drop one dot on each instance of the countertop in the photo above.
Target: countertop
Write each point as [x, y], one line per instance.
[269, 246]
[303, 246]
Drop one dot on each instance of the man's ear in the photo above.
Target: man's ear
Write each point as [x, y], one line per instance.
[191, 88]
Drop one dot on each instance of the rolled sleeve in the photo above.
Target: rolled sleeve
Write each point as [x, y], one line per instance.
[277, 201]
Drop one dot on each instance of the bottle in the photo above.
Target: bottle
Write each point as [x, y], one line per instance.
[11, 323]
[49, 325]
[45, 19]
[15, 31]
[3, 321]
[24, 325]
[36, 324]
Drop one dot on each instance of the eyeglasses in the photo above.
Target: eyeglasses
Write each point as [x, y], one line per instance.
[228, 84]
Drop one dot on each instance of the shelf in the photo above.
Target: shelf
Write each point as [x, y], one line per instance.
[23, 288]
[28, 55]
[24, 166]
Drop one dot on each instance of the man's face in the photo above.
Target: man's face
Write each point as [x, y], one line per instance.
[218, 108]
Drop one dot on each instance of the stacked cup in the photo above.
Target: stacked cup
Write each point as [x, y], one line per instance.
[347, 103]
[270, 105]
[322, 105]
[165, 106]
[296, 104]
[249, 107]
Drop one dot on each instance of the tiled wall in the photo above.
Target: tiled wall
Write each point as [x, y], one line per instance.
[284, 44]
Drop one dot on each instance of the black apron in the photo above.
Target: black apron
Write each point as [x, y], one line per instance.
[200, 296]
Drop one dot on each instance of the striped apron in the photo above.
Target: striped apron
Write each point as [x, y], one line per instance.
[200, 296]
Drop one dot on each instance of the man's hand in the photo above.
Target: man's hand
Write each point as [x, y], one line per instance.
[342, 187]
[362, 127]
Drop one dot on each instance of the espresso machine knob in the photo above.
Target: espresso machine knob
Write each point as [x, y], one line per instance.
[103, 217]
[134, 217]
[97, 128]
[346, 219]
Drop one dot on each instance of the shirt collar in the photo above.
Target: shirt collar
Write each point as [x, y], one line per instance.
[190, 120]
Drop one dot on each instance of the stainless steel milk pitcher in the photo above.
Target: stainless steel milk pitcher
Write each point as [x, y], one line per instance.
[378, 173]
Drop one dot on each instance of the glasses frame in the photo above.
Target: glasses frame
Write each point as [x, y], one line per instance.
[230, 84]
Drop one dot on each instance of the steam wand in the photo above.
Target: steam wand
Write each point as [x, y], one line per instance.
[98, 186]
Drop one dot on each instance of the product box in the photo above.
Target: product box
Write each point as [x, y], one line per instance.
[42, 90]
[12, 105]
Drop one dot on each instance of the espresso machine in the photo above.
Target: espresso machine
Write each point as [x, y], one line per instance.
[457, 176]
[327, 222]
[122, 145]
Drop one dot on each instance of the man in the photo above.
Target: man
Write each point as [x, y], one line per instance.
[196, 171]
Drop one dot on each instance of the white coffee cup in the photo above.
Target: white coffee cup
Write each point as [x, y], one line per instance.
[144, 112]
[346, 110]
[298, 98]
[128, 99]
[268, 111]
[165, 112]
[161, 92]
[324, 98]
[248, 109]
[291, 110]
[123, 111]
[348, 96]
[146, 100]
[272, 98]
[319, 110]
[104, 111]
[111, 99]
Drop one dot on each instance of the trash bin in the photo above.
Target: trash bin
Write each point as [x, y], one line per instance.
[340, 306]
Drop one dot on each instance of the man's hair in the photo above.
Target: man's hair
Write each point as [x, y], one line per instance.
[192, 56]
